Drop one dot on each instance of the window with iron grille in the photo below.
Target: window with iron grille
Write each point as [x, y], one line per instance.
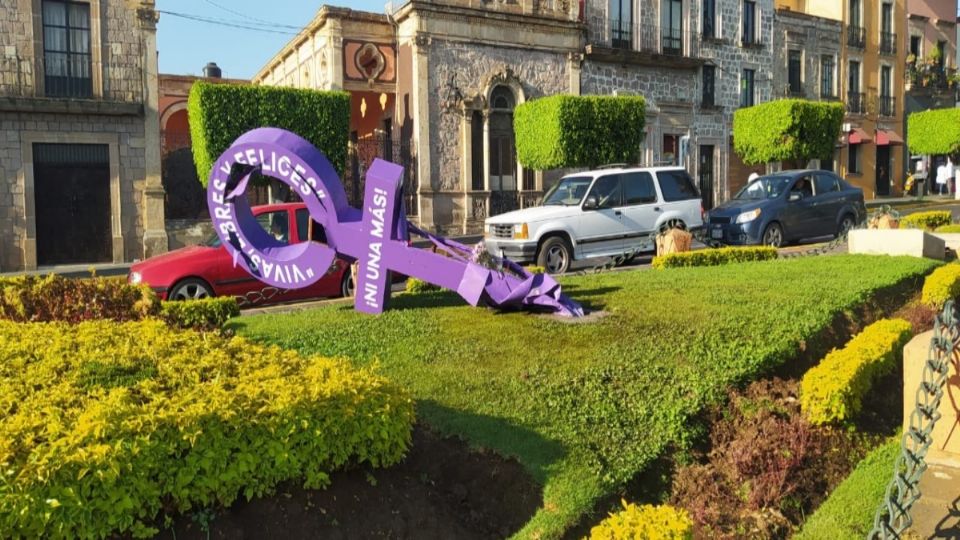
[826, 76]
[795, 71]
[709, 85]
[709, 19]
[67, 64]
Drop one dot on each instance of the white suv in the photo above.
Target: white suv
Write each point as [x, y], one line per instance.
[602, 213]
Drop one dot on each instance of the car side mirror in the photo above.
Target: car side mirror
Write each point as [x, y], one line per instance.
[590, 203]
[795, 196]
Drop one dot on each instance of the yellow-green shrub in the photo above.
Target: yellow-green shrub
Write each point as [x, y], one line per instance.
[202, 314]
[832, 391]
[941, 285]
[646, 522]
[714, 256]
[952, 228]
[536, 269]
[415, 286]
[926, 220]
[103, 424]
[56, 298]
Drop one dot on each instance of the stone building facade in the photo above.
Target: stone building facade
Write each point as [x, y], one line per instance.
[462, 66]
[80, 152]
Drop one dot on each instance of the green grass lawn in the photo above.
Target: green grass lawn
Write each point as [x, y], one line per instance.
[586, 407]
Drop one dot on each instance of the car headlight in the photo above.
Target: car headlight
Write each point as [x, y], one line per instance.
[135, 278]
[747, 217]
[520, 231]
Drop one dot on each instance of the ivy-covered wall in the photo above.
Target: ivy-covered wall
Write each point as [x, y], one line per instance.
[579, 131]
[787, 129]
[219, 113]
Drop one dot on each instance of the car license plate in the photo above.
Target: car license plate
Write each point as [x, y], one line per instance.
[716, 233]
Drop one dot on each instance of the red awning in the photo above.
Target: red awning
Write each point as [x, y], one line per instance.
[858, 136]
[885, 138]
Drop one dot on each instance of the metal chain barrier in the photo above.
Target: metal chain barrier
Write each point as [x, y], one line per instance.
[253, 298]
[893, 516]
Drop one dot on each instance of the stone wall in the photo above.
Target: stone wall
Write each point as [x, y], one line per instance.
[814, 37]
[188, 232]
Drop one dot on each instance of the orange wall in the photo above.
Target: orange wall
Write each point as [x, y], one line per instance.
[365, 123]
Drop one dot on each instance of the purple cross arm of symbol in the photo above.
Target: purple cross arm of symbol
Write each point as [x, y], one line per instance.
[376, 235]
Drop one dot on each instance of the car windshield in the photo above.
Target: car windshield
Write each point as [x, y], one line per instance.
[568, 191]
[765, 187]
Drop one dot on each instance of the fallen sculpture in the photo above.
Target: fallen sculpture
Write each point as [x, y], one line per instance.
[376, 236]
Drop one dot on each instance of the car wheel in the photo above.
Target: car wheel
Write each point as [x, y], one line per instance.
[773, 235]
[555, 255]
[347, 286]
[190, 289]
[846, 224]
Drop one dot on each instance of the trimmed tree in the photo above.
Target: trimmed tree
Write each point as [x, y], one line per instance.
[786, 129]
[219, 113]
[935, 132]
[579, 131]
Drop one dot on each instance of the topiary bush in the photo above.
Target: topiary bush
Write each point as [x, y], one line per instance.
[645, 522]
[934, 132]
[57, 298]
[219, 113]
[952, 228]
[926, 220]
[416, 286]
[714, 257]
[832, 392]
[941, 285]
[786, 129]
[202, 314]
[103, 425]
[579, 131]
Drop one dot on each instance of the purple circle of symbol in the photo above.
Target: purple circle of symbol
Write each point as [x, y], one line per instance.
[295, 162]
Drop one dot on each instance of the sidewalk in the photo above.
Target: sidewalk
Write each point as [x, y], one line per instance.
[937, 513]
[911, 201]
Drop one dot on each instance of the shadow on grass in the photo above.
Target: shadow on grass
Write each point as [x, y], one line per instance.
[535, 452]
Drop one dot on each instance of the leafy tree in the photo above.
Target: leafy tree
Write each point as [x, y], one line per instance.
[935, 132]
[786, 129]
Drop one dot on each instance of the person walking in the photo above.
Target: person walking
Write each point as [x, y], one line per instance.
[941, 178]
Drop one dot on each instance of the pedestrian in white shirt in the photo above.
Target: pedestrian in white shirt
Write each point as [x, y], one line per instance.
[941, 178]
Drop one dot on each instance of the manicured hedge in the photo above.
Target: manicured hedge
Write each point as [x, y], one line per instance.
[832, 391]
[416, 286]
[219, 113]
[202, 314]
[56, 298]
[952, 228]
[715, 256]
[926, 220]
[646, 522]
[102, 424]
[849, 511]
[786, 129]
[941, 285]
[579, 131]
[934, 132]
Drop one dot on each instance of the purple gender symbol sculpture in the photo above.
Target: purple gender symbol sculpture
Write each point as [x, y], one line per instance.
[377, 237]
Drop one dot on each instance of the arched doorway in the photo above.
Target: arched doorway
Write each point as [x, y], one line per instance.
[502, 155]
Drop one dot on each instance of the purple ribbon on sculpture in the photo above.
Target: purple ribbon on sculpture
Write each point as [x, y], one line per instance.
[376, 235]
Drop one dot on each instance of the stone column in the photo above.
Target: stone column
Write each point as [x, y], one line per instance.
[486, 159]
[336, 54]
[574, 61]
[945, 449]
[466, 153]
[154, 224]
[421, 119]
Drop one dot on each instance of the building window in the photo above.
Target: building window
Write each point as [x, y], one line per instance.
[671, 15]
[887, 101]
[888, 40]
[941, 54]
[67, 64]
[853, 158]
[709, 19]
[855, 98]
[747, 88]
[750, 34]
[709, 85]
[915, 46]
[621, 23]
[795, 71]
[856, 33]
[826, 76]
[476, 148]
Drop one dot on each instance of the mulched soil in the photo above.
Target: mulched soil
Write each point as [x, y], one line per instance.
[442, 490]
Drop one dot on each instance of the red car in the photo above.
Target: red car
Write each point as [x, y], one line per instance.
[208, 270]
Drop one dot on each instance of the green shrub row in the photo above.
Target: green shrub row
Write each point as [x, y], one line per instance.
[786, 129]
[832, 391]
[715, 256]
[202, 314]
[644, 522]
[941, 285]
[849, 511]
[57, 298]
[219, 113]
[579, 131]
[926, 220]
[952, 228]
[103, 425]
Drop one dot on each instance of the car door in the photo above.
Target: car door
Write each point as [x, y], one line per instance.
[234, 280]
[800, 216]
[601, 230]
[329, 284]
[828, 201]
[640, 210]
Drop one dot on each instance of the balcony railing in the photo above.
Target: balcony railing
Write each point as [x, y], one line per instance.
[856, 36]
[856, 102]
[927, 77]
[888, 106]
[888, 43]
[633, 36]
